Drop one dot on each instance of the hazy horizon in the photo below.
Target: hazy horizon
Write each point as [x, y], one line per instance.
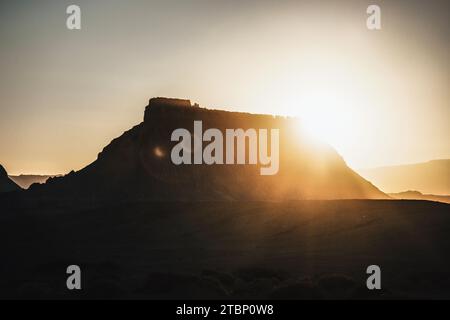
[67, 94]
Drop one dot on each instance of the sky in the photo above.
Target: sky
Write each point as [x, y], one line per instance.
[379, 97]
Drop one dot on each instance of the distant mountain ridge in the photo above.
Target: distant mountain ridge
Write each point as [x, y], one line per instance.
[128, 167]
[6, 184]
[26, 180]
[416, 195]
[432, 177]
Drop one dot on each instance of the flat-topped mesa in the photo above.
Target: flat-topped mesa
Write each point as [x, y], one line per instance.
[161, 102]
[139, 165]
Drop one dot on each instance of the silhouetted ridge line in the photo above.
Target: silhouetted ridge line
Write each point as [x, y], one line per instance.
[129, 168]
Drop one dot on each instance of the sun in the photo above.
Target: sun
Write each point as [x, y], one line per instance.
[323, 117]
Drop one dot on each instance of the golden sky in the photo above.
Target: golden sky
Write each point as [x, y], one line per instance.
[379, 97]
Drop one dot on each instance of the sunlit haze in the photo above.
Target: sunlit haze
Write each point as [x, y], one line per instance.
[378, 97]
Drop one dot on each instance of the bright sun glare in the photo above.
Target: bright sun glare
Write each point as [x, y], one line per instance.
[330, 105]
[324, 116]
[321, 121]
[328, 97]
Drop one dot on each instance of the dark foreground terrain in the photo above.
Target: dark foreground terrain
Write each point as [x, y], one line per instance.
[301, 249]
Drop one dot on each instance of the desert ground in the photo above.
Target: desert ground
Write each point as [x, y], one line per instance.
[227, 250]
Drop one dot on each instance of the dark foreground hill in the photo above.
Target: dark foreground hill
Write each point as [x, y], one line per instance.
[290, 249]
[137, 165]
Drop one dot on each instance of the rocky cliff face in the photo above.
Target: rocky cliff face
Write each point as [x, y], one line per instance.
[6, 184]
[137, 165]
